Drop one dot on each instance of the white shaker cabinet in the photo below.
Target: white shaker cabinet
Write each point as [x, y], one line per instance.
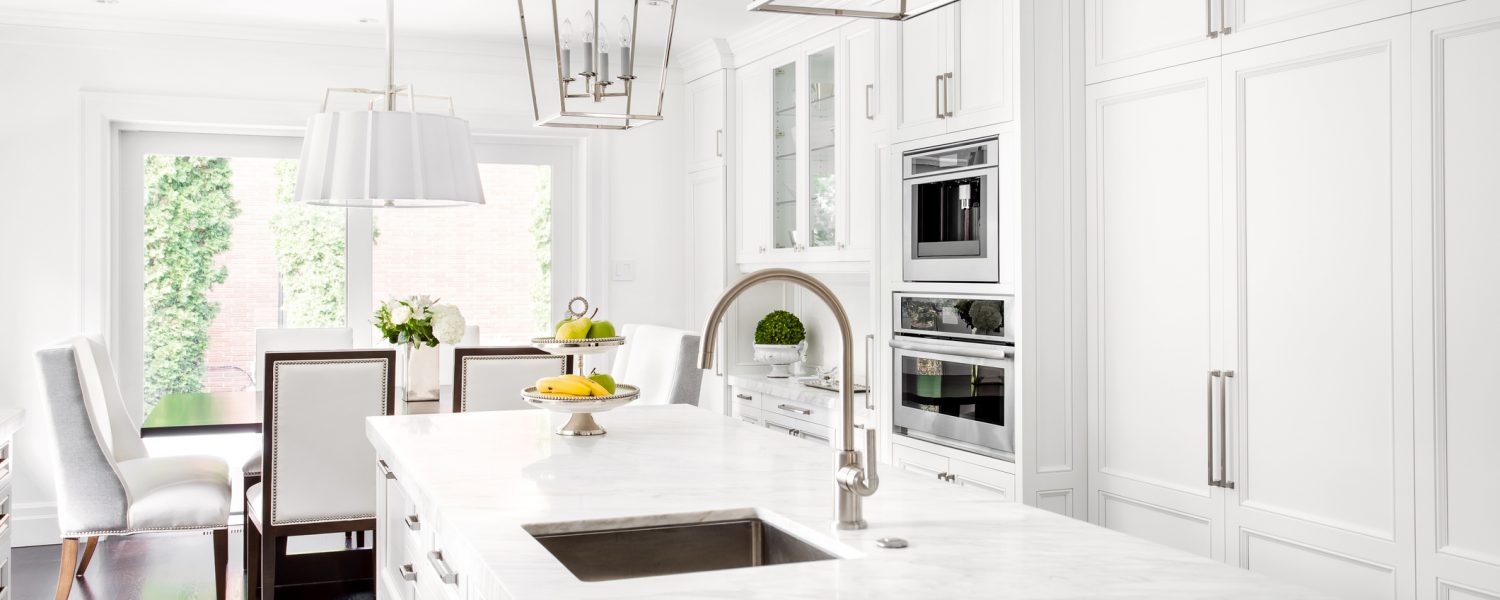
[1153, 194]
[1250, 309]
[1456, 147]
[708, 268]
[1251, 23]
[955, 69]
[1318, 197]
[1126, 37]
[706, 144]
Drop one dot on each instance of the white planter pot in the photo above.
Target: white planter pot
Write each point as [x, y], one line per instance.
[779, 357]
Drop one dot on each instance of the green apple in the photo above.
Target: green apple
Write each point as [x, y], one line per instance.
[604, 380]
[602, 329]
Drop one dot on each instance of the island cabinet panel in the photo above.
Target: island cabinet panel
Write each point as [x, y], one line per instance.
[1456, 143]
[415, 558]
[7, 508]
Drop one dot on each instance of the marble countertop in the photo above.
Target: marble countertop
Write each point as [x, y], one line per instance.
[10, 421]
[483, 476]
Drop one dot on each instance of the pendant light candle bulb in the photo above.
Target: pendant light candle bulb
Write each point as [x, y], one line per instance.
[588, 42]
[603, 54]
[567, 47]
[625, 57]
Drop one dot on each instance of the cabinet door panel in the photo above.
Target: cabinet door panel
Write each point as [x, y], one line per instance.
[925, 46]
[917, 461]
[859, 202]
[706, 142]
[1456, 137]
[708, 268]
[1317, 178]
[1255, 23]
[1153, 193]
[755, 136]
[1125, 37]
[982, 89]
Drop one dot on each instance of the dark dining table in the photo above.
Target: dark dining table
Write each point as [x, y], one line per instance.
[241, 412]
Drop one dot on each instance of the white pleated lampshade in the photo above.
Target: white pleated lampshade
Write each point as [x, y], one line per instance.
[388, 159]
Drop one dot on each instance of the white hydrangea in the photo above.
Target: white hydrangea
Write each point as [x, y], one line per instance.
[447, 323]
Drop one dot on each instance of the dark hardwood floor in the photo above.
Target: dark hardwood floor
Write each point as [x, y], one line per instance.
[160, 566]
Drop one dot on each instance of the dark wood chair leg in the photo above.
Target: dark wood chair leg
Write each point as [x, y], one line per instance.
[348, 540]
[221, 563]
[359, 539]
[268, 546]
[88, 554]
[252, 560]
[68, 569]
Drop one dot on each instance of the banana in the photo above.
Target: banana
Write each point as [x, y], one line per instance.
[559, 386]
[594, 388]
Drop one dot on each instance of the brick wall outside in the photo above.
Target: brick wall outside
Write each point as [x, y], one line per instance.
[479, 258]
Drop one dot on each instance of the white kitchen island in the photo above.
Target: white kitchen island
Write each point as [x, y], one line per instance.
[460, 491]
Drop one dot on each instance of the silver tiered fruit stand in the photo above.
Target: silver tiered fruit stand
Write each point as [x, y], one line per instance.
[581, 422]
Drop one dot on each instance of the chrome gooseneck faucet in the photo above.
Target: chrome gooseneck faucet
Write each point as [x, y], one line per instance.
[853, 480]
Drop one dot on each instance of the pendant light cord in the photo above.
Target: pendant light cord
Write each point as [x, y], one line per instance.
[390, 54]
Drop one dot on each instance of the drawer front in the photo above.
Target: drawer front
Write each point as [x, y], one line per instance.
[992, 480]
[6, 464]
[749, 415]
[772, 405]
[917, 461]
[745, 399]
[796, 427]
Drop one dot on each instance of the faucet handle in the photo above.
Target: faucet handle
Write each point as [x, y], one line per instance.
[861, 479]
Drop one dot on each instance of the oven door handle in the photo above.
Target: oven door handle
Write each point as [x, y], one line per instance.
[979, 351]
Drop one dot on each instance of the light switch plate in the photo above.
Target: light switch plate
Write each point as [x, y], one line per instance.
[623, 270]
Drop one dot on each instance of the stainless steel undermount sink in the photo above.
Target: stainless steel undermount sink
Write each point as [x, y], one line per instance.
[628, 552]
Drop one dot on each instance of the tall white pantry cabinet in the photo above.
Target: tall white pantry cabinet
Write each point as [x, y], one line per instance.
[1293, 247]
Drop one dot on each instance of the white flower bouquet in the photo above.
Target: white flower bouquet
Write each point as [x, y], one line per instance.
[419, 321]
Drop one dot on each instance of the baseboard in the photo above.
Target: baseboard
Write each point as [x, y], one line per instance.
[35, 524]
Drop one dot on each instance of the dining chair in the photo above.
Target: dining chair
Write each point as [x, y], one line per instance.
[662, 362]
[289, 339]
[445, 354]
[107, 485]
[318, 476]
[491, 378]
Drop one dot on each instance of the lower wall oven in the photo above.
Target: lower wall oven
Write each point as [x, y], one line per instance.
[955, 394]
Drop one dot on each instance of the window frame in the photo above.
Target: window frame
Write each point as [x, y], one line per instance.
[125, 319]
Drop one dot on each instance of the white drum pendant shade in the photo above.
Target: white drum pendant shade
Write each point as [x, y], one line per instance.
[388, 159]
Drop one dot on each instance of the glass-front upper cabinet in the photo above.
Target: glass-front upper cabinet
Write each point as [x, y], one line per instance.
[793, 197]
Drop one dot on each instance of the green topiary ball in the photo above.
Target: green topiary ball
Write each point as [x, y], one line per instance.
[780, 328]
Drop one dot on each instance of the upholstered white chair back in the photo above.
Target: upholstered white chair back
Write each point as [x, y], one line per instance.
[297, 339]
[318, 463]
[491, 378]
[662, 362]
[445, 354]
[121, 434]
[91, 494]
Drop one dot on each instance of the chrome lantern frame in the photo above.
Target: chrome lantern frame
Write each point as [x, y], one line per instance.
[595, 89]
[901, 15]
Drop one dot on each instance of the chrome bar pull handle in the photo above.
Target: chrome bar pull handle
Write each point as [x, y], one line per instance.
[444, 572]
[719, 143]
[1224, 29]
[413, 522]
[794, 409]
[1224, 481]
[408, 572]
[1212, 375]
[1208, 10]
[947, 94]
[937, 95]
[870, 372]
[869, 89]
[385, 469]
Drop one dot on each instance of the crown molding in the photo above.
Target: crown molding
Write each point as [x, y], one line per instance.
[375, 39]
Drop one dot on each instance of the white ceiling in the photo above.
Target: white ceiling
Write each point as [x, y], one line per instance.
[487, 20]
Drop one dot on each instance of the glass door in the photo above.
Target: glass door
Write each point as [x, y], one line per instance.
[822, 155]
[784, 148]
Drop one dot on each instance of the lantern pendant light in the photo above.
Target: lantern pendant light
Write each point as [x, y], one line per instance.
[388, 158]
[586, 79]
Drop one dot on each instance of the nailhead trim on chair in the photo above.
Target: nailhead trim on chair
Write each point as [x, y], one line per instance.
[72, 534]
[465, 406]
[276, 443]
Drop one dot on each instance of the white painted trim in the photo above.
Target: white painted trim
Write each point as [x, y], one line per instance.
[35, 524]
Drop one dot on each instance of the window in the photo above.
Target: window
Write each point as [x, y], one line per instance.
[212, 247]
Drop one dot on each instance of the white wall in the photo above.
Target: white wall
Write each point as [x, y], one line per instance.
[823, 342]
[51, 73]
